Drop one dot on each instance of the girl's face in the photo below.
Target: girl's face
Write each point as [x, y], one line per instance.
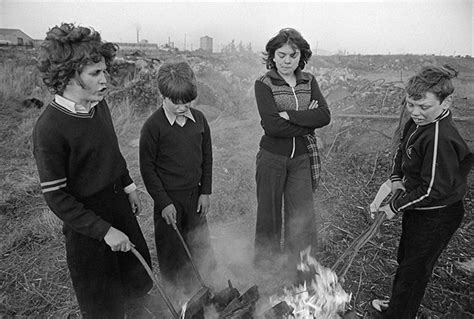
[88, 86]
[287, 59]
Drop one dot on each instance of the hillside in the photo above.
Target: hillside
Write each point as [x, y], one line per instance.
[356, 154]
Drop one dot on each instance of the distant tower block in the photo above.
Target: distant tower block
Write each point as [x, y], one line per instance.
[206, 44]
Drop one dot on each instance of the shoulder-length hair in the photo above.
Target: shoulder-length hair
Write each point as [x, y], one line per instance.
[287, 36]
[66, 50]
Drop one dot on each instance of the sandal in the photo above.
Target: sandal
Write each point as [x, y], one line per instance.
[380, 305]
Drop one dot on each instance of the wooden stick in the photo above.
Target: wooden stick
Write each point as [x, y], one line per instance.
[158, 286]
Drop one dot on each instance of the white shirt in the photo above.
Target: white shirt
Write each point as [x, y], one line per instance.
[181, 120]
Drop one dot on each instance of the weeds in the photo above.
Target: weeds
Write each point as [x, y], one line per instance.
[34, 280]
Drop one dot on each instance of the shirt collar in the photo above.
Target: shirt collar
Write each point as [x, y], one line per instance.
[72, 106]
[301, 77]
[172, 117]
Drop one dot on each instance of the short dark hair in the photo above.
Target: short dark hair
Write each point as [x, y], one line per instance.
[176, 81]
[434, 79]
[287, 36]
[67, 49]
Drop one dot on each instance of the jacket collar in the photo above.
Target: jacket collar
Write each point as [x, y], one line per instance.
[301, 77]
[443, 115]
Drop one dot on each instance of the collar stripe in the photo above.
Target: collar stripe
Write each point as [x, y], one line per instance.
[61, 108]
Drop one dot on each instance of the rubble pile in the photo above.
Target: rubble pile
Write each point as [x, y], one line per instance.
[373, 97]
[347, 91]
[223, 80]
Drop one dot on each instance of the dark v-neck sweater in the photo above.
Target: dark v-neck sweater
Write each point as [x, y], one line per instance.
[175, 158]
[77, 155]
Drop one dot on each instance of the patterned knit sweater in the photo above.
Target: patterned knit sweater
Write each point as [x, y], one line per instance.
[77, 155]
[274, 95]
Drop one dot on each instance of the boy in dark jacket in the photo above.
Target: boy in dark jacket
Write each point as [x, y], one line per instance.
[176, 166]
[430, 167]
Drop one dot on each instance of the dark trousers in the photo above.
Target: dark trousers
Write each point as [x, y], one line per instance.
[104, 280]
[283, 180]
[175, 266]
[425, 234]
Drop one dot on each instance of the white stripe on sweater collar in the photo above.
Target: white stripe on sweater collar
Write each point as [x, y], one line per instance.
[71, 105]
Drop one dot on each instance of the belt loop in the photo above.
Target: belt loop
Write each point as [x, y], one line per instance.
[115, 188]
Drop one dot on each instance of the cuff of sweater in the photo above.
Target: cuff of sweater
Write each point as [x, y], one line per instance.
[395, 178]
[125, 179]
[162, 203]
[100, 229]
[393, 208]
[130, 188]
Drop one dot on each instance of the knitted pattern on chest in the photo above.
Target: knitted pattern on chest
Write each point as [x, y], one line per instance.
[288, 98]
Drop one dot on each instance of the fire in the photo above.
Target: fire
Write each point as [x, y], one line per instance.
[322, 298]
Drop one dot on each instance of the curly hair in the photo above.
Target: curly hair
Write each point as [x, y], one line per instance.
[66, 50]
[434, 79]
[287, 36]
[177, 81]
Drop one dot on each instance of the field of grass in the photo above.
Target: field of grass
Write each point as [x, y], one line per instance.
[34, 280]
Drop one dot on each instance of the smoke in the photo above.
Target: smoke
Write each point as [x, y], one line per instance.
[233, 246]
[233, 253]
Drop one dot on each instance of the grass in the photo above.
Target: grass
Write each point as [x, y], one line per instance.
[34, 279]
[372, 272]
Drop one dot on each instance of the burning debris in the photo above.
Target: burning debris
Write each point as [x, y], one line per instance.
[226, 304]
[319, 296]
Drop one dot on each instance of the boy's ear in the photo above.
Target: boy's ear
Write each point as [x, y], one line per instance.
[447, 102]
[76, 81]
[73, 85]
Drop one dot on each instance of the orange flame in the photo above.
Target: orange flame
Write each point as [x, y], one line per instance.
[322, 298]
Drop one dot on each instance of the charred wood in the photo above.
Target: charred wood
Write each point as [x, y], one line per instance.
[279, 311]
[195, 306]
[224, 297]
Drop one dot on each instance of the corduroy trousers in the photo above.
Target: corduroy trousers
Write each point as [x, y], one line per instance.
[283, 183]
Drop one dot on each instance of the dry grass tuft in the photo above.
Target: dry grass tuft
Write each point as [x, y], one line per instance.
[345, 194]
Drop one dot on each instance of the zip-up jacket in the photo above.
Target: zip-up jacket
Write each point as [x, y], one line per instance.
[274, 95]
[433, 160]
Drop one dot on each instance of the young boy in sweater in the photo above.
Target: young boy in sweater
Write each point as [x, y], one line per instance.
[84, 177]
[430, 167]
[176, 166]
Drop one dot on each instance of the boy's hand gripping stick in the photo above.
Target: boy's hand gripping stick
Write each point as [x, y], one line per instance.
[384, 190]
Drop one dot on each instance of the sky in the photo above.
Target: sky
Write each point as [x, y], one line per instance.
[441, 27]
